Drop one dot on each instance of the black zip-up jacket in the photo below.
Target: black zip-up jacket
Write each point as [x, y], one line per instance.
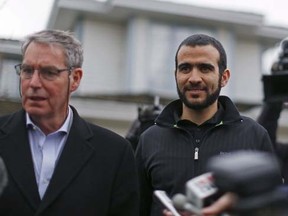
[168, 155]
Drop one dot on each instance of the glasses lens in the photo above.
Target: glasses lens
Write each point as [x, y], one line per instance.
[49, 73]
[26, 72]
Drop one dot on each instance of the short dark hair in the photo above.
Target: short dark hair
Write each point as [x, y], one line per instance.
[203, 40]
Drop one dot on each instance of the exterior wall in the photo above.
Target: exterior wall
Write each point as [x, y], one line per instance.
[9, 81]
[116, 116]
[104, 45]
[247, 85]
[228, 40]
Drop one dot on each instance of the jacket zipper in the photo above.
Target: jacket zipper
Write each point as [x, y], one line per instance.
[196, 150]
[196, 155]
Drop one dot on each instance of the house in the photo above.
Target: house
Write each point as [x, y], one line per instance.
[129, 48]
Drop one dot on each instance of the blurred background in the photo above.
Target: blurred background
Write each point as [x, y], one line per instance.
[129, 48]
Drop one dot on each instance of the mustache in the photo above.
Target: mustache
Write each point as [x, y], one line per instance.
[194, 87]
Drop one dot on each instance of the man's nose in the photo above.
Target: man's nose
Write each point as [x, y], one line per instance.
[194, 75]
[35, 79]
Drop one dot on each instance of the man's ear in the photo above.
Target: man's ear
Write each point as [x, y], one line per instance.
[225, 77]
[75, 78]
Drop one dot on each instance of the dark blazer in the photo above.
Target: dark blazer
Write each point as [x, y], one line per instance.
[95, 175]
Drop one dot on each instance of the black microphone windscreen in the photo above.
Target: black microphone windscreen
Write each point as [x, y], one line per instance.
[3, 176]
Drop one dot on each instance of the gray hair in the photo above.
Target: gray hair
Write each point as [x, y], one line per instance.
[71, 46]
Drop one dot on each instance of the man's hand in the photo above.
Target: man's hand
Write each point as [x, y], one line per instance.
[224, 203]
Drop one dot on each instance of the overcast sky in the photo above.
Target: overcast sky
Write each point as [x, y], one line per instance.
[21, 17]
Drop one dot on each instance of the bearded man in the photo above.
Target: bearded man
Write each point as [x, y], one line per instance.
[197, 126]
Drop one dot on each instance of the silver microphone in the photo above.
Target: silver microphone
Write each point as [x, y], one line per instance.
[181, 203]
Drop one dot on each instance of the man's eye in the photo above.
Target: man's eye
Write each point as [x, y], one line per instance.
[49, 71]
[206, 68]
[184, 69]
[27, 70]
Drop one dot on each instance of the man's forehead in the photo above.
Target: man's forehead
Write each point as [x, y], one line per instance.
[208, 51]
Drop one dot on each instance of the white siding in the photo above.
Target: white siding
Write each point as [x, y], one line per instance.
[104, 57]
[137, 79]
[9, 81]
[247, 74]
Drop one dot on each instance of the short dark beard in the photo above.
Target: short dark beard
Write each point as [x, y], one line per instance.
[211, 98]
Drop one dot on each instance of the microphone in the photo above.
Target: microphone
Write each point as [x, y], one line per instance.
[166, 201]
[181, 203]
[201, 190]
[253, 176]
[3, 176]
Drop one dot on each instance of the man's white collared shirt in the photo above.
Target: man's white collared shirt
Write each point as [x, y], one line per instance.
[46, 150]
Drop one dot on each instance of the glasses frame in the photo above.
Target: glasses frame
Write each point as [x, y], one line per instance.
[18, 69]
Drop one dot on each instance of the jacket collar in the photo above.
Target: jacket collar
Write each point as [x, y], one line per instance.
[15, 150]
[172, 112]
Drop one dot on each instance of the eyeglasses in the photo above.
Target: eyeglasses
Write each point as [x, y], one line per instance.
[48, 73]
